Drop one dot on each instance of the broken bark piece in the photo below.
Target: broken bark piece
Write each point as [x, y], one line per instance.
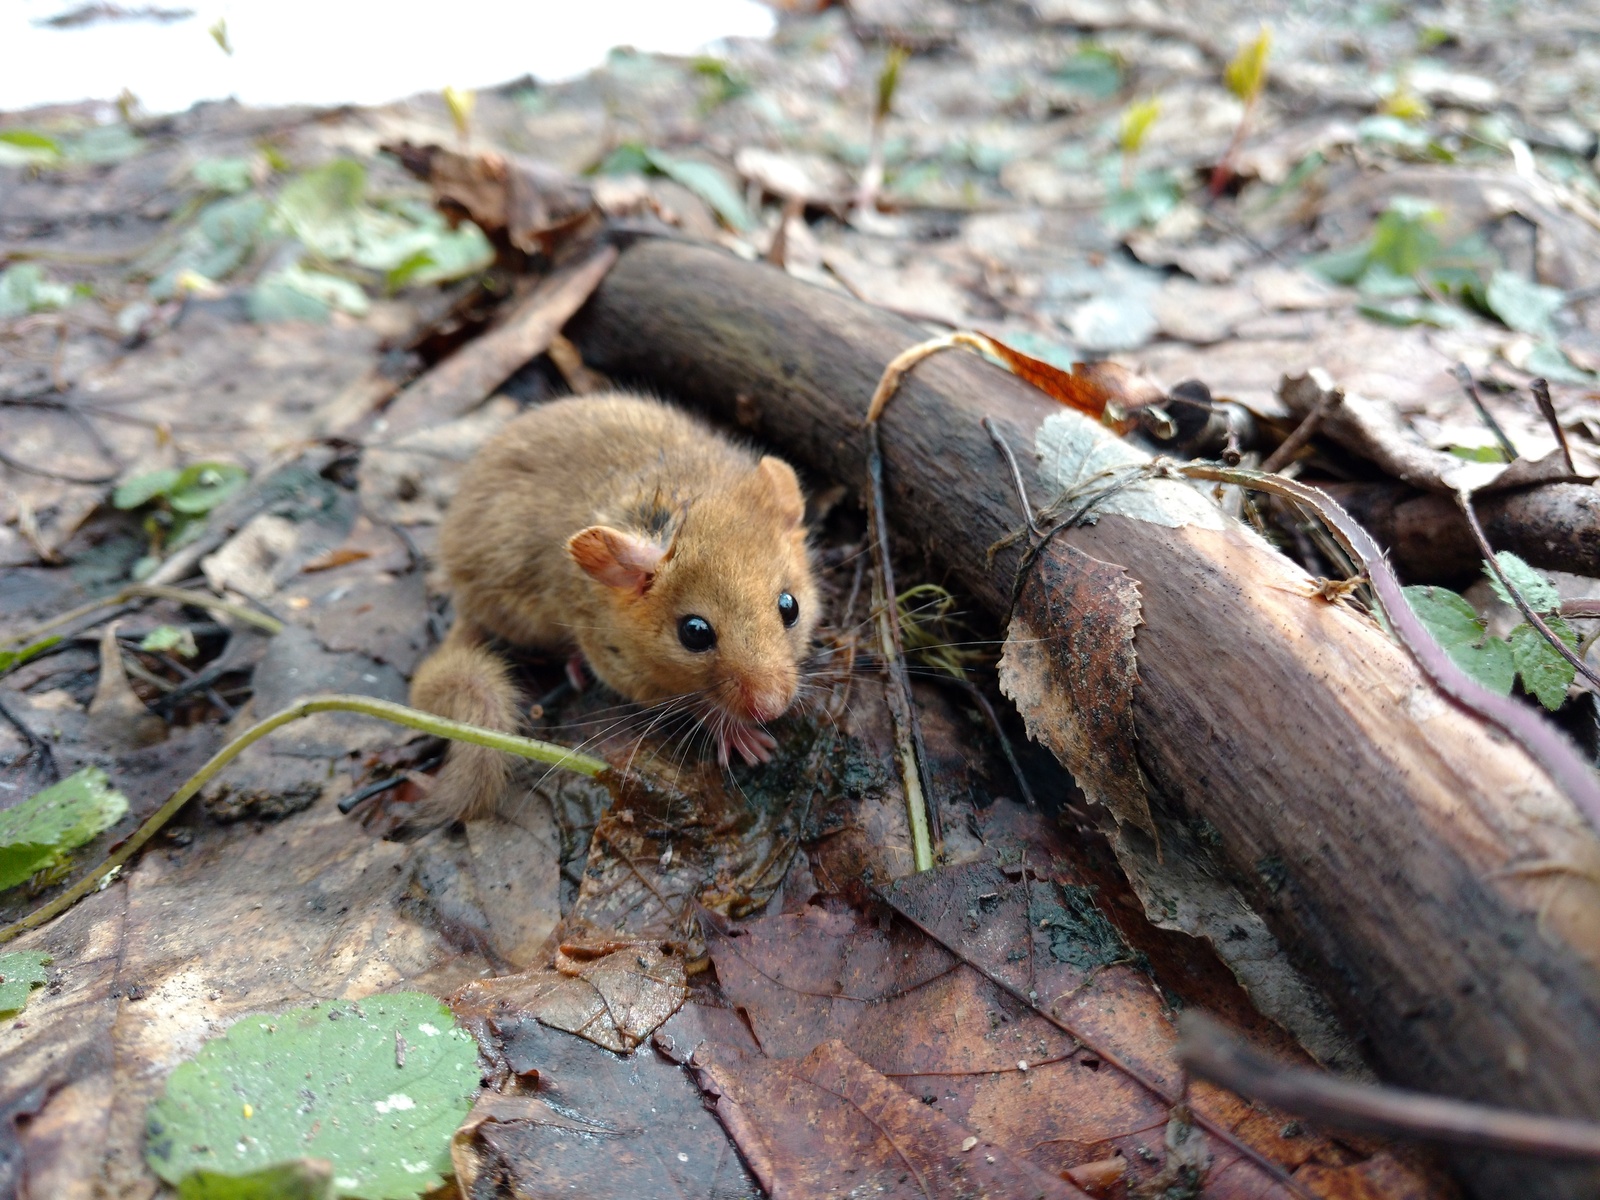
[1384, 832]
[465, 379]
[1069, 667]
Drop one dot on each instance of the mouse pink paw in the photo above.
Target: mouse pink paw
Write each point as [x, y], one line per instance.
[754, 745]
[576, 672]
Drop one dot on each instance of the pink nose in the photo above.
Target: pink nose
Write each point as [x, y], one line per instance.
[763, 704]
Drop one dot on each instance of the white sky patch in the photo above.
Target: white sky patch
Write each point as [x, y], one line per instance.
[342, 51]
[397, 1102]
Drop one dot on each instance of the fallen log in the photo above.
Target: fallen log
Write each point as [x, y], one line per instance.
[1423, 869]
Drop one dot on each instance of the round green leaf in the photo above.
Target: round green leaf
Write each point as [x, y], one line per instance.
[205, 485]
[1460, 630]
[377, 1087]
[142, 489]
[20, 972]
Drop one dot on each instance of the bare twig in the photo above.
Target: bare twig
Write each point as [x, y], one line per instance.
[1284, 454]
[1470, 387]
[154, 591]
[1016, 477]
[1209, 1051]
[1547, 409]
[387, 710]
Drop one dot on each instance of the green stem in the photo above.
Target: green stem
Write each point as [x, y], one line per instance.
[387, 710]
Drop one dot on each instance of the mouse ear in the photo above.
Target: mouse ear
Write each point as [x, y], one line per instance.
[783, 488]
[616, 559]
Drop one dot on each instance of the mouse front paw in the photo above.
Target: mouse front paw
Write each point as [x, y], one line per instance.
[754, 745]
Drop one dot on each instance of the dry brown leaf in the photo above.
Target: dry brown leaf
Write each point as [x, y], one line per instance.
[529, 204]
[1070, 668]
[1106, 391]
[615, 1001]
[828, 1124]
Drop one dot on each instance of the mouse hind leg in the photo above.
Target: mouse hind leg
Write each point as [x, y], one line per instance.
[464, 681]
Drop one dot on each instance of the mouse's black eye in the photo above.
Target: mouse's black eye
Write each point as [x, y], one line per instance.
[696, 634]
[788, 609]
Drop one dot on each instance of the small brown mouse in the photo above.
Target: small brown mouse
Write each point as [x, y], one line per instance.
[640, 539]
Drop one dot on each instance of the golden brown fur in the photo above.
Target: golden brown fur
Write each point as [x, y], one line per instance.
[596, 524]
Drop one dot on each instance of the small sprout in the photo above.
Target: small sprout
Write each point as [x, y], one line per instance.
[1405, 103]
[219, 35]
[461, 102]
[1135, 125]
[889, 81]
[1246, 75]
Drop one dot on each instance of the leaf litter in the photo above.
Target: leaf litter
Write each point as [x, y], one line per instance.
[248, 395]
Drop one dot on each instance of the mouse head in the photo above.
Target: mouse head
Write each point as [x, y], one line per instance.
[722, 603]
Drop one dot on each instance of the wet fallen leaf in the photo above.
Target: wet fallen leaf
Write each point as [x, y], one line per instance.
[37, 834]
[20, 972]
[1069, 666]
[305, 1179]
[597, 1124]
[324, 1081]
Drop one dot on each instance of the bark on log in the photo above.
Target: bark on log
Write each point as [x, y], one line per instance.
[1555, 526]
[1410, 855]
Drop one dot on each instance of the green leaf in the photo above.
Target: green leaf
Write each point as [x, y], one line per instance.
[142, 489]
[203, 486]
[1522, 304]
[323, 1082]
[1093, 71]
[1488, 454]
[1402, 239]
[223, 174]
[10, 659]
[1538, 591]
[28, 140]
[1456, 627]
[298, 294]
[322, 207]
[630, 158]
[305, 1179]
[707, 182]
[20, 972]
[170, 637]
[1135, 124]
[38, 832]
[1549, 360]
[1545, 674]
[25, 288]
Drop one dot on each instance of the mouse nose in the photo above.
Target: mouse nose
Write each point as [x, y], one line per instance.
[764, 702]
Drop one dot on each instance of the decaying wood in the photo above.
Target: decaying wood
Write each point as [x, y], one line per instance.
[1430, 875]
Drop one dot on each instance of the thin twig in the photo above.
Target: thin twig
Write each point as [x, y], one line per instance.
[545, 752]
[1210, 1052]
[36, 744]
[149, 591]
[1547, 409]
[1464, 499]
[1470, 387]
[902, 708]
[1290, 446]
[16, 464]
[1016, 477]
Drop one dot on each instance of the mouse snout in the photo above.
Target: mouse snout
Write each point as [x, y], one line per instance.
[764, 700]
